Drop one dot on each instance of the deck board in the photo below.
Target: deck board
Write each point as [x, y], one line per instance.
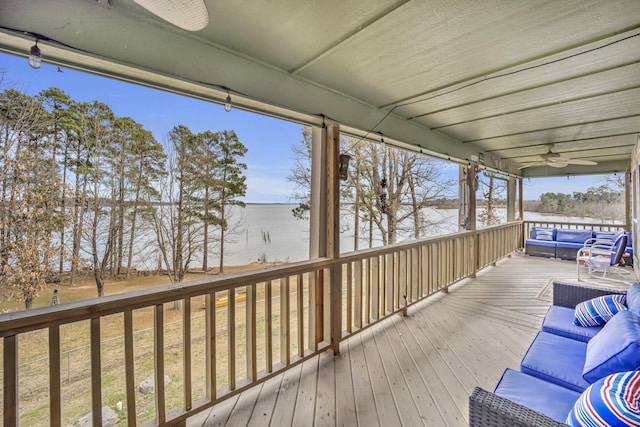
[412, 370]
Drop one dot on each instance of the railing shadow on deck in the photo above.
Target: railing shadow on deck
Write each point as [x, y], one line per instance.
[217, 337]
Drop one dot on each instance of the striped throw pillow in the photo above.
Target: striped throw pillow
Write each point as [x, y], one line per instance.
[611, 401]
[544, 234]
[598, 311]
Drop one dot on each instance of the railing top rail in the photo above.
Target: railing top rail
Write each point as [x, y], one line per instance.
[408, 244]
[43, 317]
[581, 224]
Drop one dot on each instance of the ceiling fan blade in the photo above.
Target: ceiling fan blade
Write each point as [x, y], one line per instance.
[528, 165]
[190, 15]
[582, 162]
[558, 164]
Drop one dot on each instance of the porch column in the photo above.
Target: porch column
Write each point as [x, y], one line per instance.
[511, 199]
[627, 200]
[325, 293]
[467, 197]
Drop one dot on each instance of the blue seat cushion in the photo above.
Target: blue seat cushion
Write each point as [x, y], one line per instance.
[569, 245]
[633, 298]
[616, 348]
[598, 311]
[559, 321]
[611, 401]
[556, 359]
[541, 396]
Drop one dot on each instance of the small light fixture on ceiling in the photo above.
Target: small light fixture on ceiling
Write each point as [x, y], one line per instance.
[227, 103]
[35, 60]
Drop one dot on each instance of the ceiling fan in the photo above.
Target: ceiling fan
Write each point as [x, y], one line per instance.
[555, 160]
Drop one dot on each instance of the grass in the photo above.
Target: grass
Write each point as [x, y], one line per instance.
[75, 349]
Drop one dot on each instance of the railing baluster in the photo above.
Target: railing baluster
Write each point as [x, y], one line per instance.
[357, 309]
[268, 325]
[285, 322]
[349, 304]
[375, 288]
[130, 385]
[158, 351]
[231, 329]
[186, 352]
[251, 344]
[389, 281]
[96, 373]
[55, 410]
[300, 308]
[10, 381]
[210, 346]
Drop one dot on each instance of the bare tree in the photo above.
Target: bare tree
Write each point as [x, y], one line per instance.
[178, 232]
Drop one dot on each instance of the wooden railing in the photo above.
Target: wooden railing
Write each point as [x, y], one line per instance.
[215, 338]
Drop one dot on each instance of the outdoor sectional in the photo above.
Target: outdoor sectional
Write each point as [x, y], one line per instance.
[563, 243]
[561, 363]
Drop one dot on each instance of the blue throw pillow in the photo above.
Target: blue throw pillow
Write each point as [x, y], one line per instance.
[610, 401]
[598, 311]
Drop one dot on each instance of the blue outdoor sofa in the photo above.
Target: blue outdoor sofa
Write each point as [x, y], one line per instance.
[562, 362]
[563, 243]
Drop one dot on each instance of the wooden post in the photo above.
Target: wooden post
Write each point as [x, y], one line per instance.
[627, 200]
[511, 199]
[472, 187]
[325, 233]
[521, 210]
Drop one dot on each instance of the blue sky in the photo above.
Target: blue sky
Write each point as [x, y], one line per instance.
[268, 140]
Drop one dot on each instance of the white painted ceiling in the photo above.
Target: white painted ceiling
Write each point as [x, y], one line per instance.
[510, 79]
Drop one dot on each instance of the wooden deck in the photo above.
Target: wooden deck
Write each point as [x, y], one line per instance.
[414, 370]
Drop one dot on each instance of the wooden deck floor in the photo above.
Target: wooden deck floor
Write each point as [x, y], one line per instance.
[414, 370]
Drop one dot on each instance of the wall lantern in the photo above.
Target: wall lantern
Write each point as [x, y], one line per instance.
[344, 167]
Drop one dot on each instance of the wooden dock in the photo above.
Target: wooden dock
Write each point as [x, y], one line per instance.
[413, 370]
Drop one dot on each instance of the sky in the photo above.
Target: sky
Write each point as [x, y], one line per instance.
[268, 140]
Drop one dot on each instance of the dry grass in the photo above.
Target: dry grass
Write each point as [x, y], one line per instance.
[75, 349]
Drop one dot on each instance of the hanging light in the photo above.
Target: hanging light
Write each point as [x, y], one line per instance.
[227, 103]
[383, 195]
[344, 167]
[34, 56]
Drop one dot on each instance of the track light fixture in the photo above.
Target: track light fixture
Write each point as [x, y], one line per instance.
[35, 60]
[227, 103]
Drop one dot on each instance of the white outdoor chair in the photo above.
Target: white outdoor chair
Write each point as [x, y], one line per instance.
[600, 256]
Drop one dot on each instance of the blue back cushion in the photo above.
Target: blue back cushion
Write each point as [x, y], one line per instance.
[604, 235]
[610, 401]
[573, 236]
[616, 348]
[599, 310]
[541, 233]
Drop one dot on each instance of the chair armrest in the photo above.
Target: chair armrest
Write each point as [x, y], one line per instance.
[488, 409]
[571, 294]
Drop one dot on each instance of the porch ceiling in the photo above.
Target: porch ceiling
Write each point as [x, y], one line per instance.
[508, 79]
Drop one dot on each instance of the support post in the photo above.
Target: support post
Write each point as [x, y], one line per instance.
[511, 199]
[325, 231]
[627, 200]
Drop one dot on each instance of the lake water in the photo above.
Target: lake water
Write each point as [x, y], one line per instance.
[271, 233]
